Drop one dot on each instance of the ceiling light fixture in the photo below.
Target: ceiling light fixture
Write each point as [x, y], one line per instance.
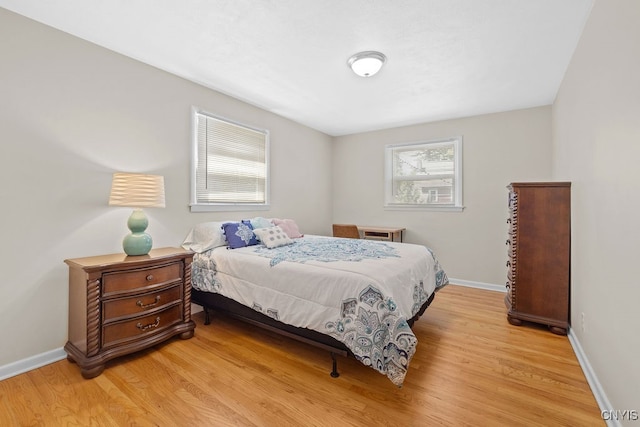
[366, 64]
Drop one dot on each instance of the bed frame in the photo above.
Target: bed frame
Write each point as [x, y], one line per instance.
[217, 302]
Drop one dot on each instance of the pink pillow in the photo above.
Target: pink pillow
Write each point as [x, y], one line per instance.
[289, 226]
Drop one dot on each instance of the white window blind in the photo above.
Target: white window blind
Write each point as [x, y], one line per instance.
[424, 175]
[231, 163]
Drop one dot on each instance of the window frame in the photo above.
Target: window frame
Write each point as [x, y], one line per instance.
[455, 206]
[196, 206]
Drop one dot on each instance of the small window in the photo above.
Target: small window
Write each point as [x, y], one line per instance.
[424, 175]
[230, 165]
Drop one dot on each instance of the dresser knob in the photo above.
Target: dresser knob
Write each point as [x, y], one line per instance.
[150, 277]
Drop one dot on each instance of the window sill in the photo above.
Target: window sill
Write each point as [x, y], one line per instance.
[424, 208]
[229, 208]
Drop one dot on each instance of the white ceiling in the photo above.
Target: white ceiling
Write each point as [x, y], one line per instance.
[445, 58]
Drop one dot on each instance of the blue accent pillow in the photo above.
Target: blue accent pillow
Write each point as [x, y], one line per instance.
[239, 234]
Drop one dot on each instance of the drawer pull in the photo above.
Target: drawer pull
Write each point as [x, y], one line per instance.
[150, 277]
[140, 304]
[150, 325]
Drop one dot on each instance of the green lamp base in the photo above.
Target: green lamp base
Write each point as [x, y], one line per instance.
[138, 242]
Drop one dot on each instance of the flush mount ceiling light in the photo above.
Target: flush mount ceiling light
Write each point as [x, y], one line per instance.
[366, 64]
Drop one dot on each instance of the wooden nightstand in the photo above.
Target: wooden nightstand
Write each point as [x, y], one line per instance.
[120, 304]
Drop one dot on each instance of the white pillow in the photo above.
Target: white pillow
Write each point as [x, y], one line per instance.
[273, 237]
[205, 236]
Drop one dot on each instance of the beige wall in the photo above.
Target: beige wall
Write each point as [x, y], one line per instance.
[497, 149]
[71, 114]
[596, 134]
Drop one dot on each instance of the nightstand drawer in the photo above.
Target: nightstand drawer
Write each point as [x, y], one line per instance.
[114, 309]
[136, 328]
[125, 281]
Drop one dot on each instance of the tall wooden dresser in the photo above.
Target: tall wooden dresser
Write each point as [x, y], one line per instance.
[539, 251]
[119, 304]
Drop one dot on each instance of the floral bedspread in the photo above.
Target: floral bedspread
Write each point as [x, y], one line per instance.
[361, 292]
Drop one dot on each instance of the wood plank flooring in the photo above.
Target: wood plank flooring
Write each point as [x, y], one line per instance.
[471, 368]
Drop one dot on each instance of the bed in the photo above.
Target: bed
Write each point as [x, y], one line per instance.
[349, 296]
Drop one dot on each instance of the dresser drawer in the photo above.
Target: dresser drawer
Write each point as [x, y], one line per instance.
[114, 309]
[139, 327]
[126, 281]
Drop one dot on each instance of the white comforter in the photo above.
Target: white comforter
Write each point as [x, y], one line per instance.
[360, 292]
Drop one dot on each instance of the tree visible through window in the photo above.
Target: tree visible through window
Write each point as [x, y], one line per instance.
[424, 174]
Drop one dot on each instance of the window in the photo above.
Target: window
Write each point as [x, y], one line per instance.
[230, 165]
[424, 175]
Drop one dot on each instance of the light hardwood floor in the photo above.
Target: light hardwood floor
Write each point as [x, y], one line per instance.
[471, 368]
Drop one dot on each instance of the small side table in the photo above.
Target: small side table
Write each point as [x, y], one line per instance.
[391, 234]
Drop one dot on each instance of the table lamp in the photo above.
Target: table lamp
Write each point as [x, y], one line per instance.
[138, 191]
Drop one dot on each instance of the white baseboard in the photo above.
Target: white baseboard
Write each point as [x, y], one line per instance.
[33, 362]
[592, 379]
[479, 285]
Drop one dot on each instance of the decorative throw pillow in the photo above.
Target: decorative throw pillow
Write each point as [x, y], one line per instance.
[260, 222]
[239, 234]
[273, 237]
[205, 236]
[289, 226]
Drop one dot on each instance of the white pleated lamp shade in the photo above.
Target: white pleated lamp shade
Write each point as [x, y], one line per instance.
[137, 190]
